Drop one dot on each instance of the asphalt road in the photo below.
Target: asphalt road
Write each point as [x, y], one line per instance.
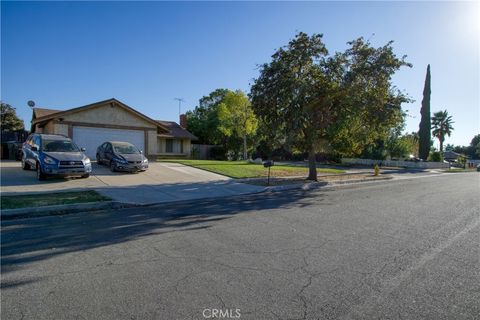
[401, 249]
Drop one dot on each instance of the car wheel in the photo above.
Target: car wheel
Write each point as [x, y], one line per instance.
[86, 175]
[113, 168]
[25, 165]
[98, 159]
[40, 175]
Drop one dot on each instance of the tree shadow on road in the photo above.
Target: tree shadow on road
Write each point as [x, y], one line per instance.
[26, 241]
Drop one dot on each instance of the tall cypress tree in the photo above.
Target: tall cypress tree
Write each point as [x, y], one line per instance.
[424, 130]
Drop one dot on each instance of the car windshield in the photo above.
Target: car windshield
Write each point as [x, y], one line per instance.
[59, 146]
[125, 148]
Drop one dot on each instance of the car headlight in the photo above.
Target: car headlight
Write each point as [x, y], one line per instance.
[49, 160]
[86, 161]
[145, 160]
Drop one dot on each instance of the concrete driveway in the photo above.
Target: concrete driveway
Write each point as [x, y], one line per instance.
[162, 182]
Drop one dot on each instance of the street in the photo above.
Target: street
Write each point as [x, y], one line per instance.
[400, 249]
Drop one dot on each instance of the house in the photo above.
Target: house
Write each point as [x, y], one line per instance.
[112, 120]
[451, 156]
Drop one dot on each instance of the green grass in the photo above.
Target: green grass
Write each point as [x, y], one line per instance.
[460, 170]
[244, 169]
[48, 199]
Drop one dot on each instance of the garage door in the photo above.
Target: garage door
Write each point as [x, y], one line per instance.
[90, 138]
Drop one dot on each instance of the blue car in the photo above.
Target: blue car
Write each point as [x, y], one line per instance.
[53, 155]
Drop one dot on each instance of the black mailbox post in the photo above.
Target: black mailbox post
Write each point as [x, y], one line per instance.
[268, 164]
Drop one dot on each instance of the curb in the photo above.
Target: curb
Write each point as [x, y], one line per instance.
[9, 214]
[341, 182]
[314, 185]
[61, 209]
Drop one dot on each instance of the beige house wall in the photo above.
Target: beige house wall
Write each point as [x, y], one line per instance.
[49, 127]
[61, 128]
[152, 142]
[38, 129]
[187, 147]
[108, 115]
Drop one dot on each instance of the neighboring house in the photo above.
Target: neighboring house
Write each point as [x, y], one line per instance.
[111, 120]
[451, 156]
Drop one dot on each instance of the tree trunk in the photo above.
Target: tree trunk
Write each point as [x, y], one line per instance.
[245, 147]
[441, 143]
[312, 165]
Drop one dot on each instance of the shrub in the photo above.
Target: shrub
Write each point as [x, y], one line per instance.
[263, 150]
[218, 153]
[281, 154]
[195, 153]
[462, 160]
[299, 156]
[325, 157]
[435, 156]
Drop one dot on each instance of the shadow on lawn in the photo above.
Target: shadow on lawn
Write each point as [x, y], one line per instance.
[29, 240]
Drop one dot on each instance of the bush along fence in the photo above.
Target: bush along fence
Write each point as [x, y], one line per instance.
[393, 163]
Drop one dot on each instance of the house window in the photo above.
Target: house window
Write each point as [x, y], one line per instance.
[169, 146]
[181, 146]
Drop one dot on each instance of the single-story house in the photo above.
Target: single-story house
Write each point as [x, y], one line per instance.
[112, 120]
[451, 156]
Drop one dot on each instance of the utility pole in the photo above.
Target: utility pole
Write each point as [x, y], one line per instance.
[180, 100]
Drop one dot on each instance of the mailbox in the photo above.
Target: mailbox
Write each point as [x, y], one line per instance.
[268, 164]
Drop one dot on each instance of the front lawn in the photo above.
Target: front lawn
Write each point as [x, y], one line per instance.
[454, 170]
[244, 169]
[48, 199]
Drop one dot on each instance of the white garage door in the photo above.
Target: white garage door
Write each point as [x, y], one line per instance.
[90, 138]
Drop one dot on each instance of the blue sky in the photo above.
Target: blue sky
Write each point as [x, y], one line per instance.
[68, 54]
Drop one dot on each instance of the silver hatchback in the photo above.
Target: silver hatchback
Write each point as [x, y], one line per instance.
[121, 156]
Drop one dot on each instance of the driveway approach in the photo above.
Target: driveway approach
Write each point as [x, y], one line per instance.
[160, 183]
[406, 249]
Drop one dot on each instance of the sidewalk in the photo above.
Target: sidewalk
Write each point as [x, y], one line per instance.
[153, 197]
[148, 194]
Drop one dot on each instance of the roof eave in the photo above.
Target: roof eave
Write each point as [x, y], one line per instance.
[73, 110]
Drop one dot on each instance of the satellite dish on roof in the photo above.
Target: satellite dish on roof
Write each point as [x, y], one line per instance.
[31, 103]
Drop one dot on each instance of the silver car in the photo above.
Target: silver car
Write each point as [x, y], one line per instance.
[121, 156]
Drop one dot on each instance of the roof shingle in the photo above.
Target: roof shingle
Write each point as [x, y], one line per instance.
[176, 131]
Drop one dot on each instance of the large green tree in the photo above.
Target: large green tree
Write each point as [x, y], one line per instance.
[442, 126]
[203, 121]
[474, 147]
[424, 129]
[9, 119]
[236, 117]
[345, 100]
[211, 122]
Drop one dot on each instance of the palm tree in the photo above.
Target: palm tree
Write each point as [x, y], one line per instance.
[441, 126]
